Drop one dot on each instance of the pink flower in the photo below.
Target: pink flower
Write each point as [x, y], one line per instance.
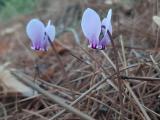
[96, 31]
[39, 34]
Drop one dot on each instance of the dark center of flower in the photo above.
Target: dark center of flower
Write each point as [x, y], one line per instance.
[37, 48]
[102, 32]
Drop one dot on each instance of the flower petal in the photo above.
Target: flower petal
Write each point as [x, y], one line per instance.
[106, 25]
[105, 41]
[35, 31]
[106, 22]
[50, 30]
[91, 26]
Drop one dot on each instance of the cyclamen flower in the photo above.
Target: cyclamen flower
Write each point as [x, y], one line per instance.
[96, 31]
[39, 34]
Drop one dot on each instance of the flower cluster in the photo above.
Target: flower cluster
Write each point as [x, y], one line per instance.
[94, 30]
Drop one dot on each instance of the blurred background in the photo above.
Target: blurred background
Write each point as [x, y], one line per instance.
[131, 18]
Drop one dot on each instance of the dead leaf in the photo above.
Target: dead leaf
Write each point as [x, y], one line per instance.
[156, 19]
[11, 85]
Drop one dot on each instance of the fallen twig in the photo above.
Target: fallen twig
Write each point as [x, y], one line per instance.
[53, 97]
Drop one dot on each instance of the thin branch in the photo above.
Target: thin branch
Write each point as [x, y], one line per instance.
[52, 97]
[142, 78]
[92, 88]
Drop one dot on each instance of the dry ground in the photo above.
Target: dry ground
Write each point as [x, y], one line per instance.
[86, 75]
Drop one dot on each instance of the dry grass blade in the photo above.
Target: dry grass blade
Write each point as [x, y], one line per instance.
[79, 98]
[136, 99]
[151, 79]
[120, 82]
[53, 97]
[4, 111]
[130, 90]
[35, 113]
[118, 76]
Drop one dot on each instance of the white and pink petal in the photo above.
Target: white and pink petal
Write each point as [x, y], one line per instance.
[91, 26]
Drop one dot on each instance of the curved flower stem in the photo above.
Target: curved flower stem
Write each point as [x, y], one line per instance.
[118, 76]
[58, 58]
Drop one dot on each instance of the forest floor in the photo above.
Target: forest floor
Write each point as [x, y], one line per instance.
[79, 75]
